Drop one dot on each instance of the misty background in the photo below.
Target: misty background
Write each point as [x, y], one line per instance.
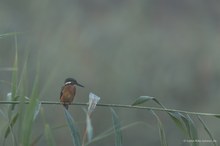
[118, 50]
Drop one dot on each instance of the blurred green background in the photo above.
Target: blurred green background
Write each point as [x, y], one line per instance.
[119, 50]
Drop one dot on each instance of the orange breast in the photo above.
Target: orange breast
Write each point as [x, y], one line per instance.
[69, 92]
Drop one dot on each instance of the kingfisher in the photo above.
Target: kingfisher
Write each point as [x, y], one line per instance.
[68, 91]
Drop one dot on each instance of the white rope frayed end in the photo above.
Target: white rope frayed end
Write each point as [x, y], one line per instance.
[93, 100]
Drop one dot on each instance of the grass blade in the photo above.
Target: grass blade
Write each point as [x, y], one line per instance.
[161, 130]
[142, 99]
[102, 136]
[117, 128]
[184, 123]
[37, 109]
[15, 75]
[217, 116]
[207, 131]
[176, 117]
[38, 138]
[30, 113]
[9, 34]
[8, 69]
[10, 126]
[49, 136]
[191, 129]
[74, 131]
[110, 131]
[28, 121]
[30, 116]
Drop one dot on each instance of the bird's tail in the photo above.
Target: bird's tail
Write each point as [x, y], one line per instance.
[66, 106]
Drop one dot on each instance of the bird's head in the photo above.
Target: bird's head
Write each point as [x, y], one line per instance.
[71, 81]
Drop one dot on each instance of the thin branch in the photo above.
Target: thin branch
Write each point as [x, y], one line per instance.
[119, 106]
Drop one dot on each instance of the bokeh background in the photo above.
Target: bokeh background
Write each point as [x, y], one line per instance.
[119, 50]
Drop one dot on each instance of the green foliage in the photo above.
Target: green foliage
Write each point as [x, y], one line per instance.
[74, 130]
[30, 114]
[117, 128]
[161, 130]
[184, 122]
[177, 118]
[192, 131]
[142, 99]
[111, 131]
[9, 34]
[11, 124]
[208, 131]
[217, 116]
[15, 75]
[22, 113]
[21, 117]
[48, 135]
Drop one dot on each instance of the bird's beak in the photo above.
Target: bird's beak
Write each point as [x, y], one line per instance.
[79, 85]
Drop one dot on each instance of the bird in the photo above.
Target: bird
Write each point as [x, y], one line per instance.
[68, 91]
